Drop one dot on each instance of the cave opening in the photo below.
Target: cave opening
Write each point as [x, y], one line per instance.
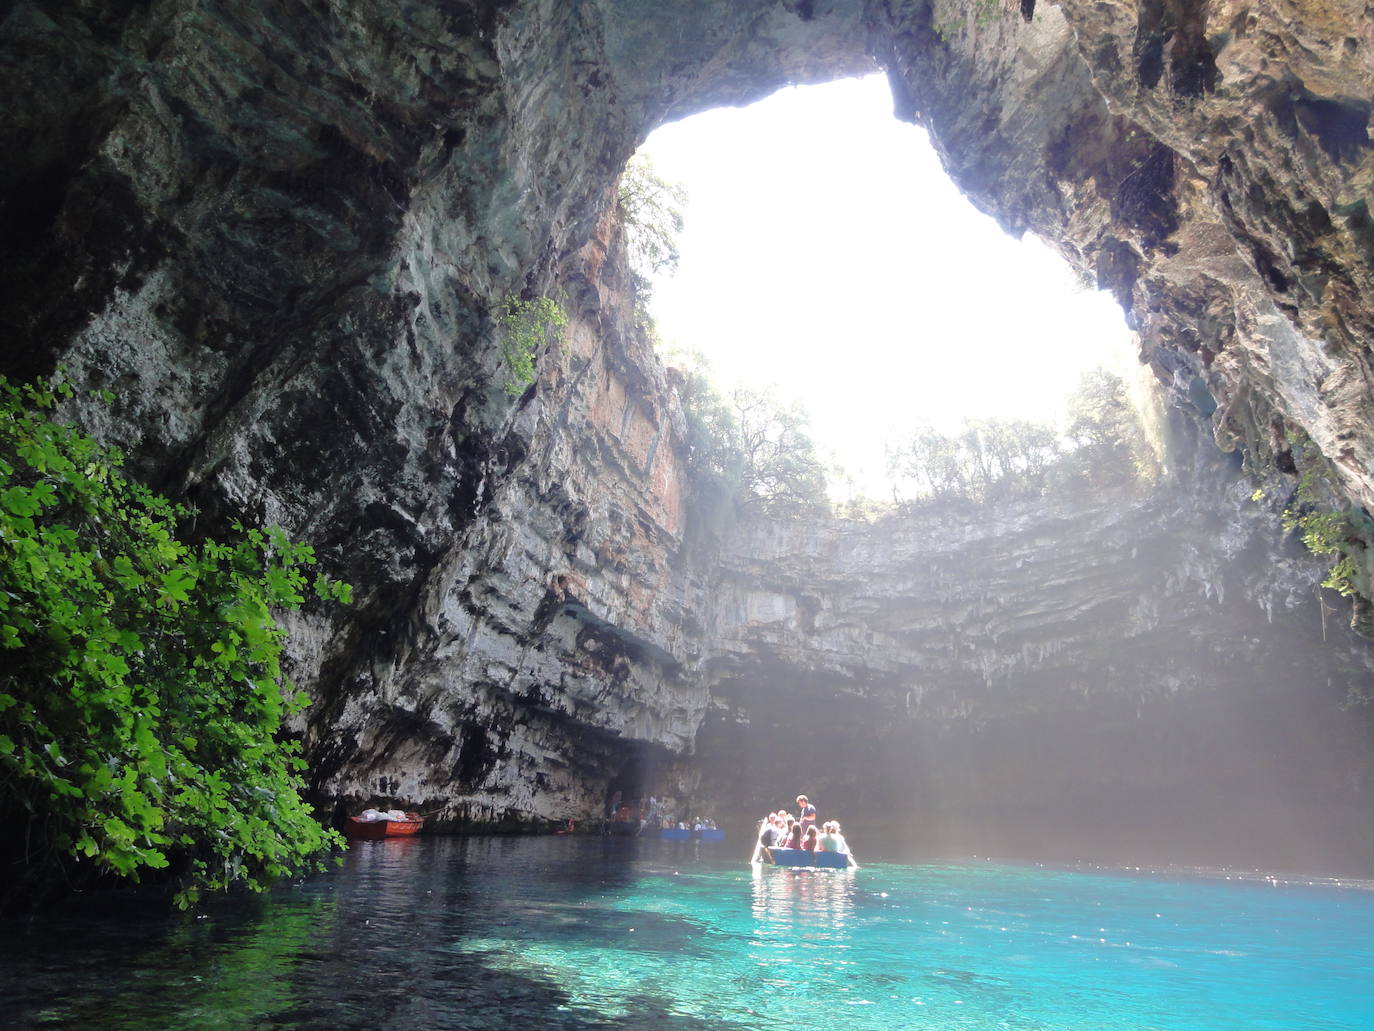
[828, 256]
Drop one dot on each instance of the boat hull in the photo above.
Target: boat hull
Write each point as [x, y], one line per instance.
[376, 830]
[803, 857]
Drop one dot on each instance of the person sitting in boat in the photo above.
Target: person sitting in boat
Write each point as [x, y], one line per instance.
[768, 838]
[806, 812]
[810, 839]
[779, 828]
[788, 823]
[833, 841]
[794, 835]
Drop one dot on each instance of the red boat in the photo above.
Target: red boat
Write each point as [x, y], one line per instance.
[375, 830]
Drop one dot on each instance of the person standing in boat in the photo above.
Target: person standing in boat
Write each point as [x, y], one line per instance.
[806, 813]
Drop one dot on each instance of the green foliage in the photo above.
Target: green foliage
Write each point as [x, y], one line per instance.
[751, 449]
[988, 460]
[651, 212]
[142, 696]
[1106, 432]
[525, 328]
[1324, 531]
[781, 471]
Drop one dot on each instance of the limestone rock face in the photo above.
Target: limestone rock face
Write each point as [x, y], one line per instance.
[555, 641]
[1127, 675]
[1211, 164]
[281, 235]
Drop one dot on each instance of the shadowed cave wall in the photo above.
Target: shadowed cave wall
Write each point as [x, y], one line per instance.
[279, 235]
[1139, 676]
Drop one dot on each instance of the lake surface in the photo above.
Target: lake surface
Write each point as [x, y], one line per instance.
[481, 933]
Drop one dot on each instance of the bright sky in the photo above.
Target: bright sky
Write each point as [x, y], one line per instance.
[827, 253]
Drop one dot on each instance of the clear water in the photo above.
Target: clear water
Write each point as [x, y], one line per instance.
[576, 933]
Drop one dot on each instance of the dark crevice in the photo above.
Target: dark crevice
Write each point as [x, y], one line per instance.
[1148, 48]
[1340, 126]
[1144, 199]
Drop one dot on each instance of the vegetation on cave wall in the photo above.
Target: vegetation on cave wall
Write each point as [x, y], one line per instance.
[142, 696]
[651, 211]
[1327, 525]
[748, 452]
[525, 328]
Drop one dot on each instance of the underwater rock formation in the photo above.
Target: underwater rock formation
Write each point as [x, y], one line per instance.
[282, 234]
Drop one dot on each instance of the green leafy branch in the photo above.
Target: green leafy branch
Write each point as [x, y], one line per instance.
[525, 328]
[142, 698]
[651, 210]
[1325, 532]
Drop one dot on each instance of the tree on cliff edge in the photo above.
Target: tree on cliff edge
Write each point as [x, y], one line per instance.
[750, 448]
[651, 211]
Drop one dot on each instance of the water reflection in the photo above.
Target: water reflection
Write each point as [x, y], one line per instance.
[125, 963]
[803, 925]
[815, 903]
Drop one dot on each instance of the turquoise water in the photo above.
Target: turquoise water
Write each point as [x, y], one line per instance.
[549, 932]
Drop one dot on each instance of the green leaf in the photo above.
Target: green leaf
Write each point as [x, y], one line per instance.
[19, 501]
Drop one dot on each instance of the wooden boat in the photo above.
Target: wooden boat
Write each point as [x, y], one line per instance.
[376, 830]
[805, 857]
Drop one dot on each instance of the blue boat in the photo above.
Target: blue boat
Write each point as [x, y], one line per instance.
[675, 834]
[712, 834]
[805, 857]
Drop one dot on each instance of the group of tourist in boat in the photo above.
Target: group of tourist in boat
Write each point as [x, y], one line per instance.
[783, 831]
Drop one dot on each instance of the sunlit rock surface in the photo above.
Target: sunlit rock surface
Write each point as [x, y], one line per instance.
[279, 235]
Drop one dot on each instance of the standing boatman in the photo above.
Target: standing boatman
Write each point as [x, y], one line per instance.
[806, 813]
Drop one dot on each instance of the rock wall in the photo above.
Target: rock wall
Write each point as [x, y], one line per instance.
[1210, 164]
[280, 234]
[552, 646]
[1139, 674]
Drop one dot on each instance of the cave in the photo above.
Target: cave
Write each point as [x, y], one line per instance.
[282, 239]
